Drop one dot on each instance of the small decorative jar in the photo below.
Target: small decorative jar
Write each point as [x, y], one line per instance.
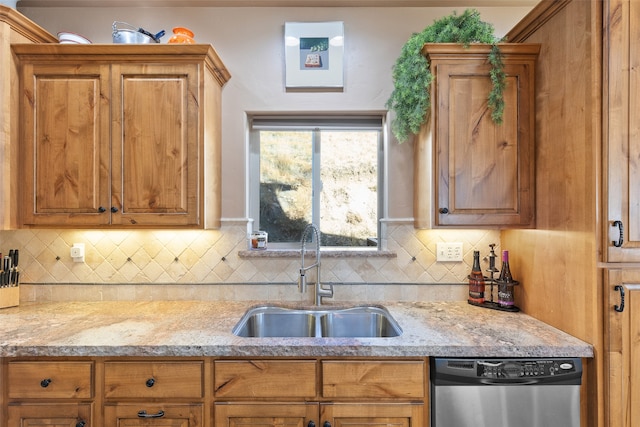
[259, 240]
[182, 35]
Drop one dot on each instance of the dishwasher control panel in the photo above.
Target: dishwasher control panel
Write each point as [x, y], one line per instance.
[493, 371]
[523, 368]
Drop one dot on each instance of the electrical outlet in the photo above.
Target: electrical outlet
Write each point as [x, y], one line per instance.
[449, 252]
[77, 252]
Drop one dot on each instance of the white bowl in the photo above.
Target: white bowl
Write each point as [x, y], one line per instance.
[66, 37]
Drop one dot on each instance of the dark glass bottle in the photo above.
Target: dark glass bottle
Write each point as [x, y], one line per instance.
[505, 283]
[476, 281]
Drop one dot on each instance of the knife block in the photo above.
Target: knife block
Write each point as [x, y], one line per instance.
[9, 296]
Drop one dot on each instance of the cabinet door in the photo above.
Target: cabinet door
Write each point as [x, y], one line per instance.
[266, 414]
[373, 414]
[155, 151]
[58, 415]
[622, 169]
[484, 172]
[623, 346]
[155, 414]
[65, 151]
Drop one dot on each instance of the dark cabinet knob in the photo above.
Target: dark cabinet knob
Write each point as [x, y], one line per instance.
[45, 383]
[81, 423]
[101, 209]
[443, 210]
[150, 382]
[114, 209]
[311, 424]
[326, 424]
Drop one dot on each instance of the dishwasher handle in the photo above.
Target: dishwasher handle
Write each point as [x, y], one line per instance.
[528, 381]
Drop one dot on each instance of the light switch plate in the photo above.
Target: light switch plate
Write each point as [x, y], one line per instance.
[449, 252]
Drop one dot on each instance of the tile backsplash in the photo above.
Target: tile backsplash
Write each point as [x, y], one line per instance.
[205, 264]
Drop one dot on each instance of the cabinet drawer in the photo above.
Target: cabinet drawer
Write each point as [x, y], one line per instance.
[265, 378]
[50, 380]
[373, 379]
[153, 379]
[154, 415]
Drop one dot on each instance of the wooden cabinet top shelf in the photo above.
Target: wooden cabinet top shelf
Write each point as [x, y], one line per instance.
[480, 50]
[122, 53]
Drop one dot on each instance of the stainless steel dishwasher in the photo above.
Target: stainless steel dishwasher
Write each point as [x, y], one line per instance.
[505, 392]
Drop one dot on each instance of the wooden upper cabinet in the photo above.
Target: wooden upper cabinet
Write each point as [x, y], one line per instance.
[14, 28]
[622, 126]
[65, 157]
[155, 150]
[117, 135]
[483, 173]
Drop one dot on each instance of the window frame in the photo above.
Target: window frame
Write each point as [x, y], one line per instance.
[315, 123]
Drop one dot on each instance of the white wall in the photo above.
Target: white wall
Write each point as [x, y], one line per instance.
[206, 263]
[250, 43]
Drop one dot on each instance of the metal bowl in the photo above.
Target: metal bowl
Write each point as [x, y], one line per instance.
[130, 35]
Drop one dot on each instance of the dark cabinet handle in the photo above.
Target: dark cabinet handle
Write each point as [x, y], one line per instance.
[143, 414]
[326, 424]
[443, 211]
[150, 382]
[619, 308]
[621, 235]
[81, 423]
[45, 383]
[311, 424]
[114, 209]
[101, 209]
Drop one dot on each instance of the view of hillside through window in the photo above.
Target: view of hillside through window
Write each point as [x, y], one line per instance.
[341, 165]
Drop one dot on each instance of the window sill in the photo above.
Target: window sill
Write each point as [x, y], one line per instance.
[325, 253]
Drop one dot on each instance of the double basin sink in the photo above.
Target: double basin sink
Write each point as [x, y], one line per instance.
[352, 322]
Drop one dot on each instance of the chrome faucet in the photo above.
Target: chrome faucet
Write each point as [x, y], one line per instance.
[320, 292]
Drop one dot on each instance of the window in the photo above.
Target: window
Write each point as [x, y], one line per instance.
[325, 170]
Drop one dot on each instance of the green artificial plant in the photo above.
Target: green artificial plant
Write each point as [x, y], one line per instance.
[410, 99]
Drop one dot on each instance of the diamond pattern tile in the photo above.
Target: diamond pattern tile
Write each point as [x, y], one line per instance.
[188, 259]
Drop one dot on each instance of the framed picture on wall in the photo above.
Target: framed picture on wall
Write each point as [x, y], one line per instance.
[314, 55]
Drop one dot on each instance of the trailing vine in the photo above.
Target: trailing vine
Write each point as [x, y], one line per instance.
[410, 99]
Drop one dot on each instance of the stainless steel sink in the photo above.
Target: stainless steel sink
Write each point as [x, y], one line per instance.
[276, 322]
[352, 322]
[359, 322]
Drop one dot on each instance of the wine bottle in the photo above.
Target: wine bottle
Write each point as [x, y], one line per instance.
[476, 281]
[505, 283]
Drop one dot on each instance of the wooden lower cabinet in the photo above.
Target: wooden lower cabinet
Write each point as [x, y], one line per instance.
[285, 414]
[373, 414]
[320, 393]
[49, 415]
[622, 340]
[213, 392]
[153, 414]
[319, 414]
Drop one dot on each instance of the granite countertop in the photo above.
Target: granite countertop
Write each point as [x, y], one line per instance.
[202, 328]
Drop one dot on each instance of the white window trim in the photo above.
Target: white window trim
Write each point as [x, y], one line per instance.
[253, 163]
